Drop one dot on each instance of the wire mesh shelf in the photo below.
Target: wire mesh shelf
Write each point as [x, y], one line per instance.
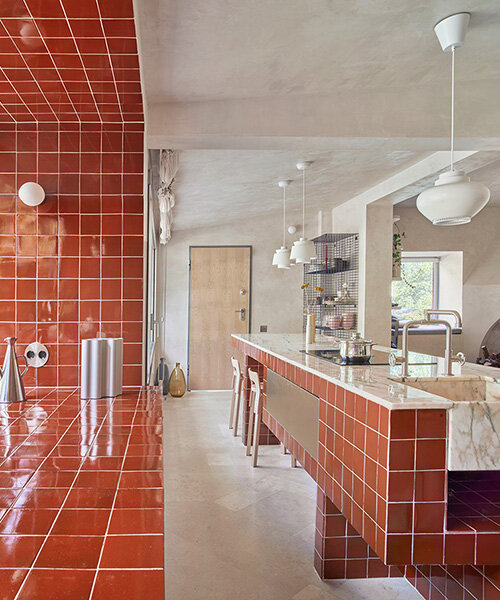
[336, 271]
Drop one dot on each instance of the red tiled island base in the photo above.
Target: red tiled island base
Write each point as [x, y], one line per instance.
[386, 504]
[81, 496]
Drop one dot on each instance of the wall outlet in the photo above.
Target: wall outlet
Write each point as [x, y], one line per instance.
[263, 328]
[36, 355]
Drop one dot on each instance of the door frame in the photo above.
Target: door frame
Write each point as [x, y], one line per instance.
[250, 275]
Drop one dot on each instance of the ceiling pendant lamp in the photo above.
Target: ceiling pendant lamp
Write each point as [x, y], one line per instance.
[454, 199]
[303, 250]
[281, 258]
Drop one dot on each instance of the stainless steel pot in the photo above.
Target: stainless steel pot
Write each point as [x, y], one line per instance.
[356, 350]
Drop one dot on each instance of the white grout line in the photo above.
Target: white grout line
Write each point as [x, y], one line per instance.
[106, 533]
[70, 488]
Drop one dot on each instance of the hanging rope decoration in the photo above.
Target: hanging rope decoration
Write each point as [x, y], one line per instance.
[169, 164]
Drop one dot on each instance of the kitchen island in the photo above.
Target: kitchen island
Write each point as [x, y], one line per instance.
[388, 503]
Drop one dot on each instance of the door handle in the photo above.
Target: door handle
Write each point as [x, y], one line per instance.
[242, 313]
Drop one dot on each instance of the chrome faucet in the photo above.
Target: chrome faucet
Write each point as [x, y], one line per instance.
[441, 311]
[449, 358]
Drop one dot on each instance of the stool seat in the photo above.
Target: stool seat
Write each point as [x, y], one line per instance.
[235, 396]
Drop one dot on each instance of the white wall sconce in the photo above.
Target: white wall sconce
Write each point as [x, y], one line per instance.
[31, 193]
[292, 229]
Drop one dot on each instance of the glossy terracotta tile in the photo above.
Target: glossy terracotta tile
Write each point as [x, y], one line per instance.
[10, 582]
[78, 522]
[136, 520]
[139, 584]
[70, 552]
[61, 584]
[65, 254]
[65, 525]
[129, 552]
[18, 551]
[27, 521]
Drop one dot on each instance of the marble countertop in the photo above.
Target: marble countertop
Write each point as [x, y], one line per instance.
[375, 382]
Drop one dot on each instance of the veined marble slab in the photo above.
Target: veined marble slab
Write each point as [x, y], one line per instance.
[375, 382]
[472, 395]
[473, 420]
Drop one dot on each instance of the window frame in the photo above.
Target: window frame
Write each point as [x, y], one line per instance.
[416, 258]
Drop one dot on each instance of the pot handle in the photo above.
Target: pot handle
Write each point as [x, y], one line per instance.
[27, 365]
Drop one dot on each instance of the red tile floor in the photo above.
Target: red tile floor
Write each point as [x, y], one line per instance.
[81, 497]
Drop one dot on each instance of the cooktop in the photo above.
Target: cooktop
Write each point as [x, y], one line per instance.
[377, 358]
[333, 355]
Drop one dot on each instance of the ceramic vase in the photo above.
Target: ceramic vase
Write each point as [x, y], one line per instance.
[310, 329]
[177, 382]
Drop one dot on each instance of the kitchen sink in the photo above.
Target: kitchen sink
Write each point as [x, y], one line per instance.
[457, 389]
[473, 420]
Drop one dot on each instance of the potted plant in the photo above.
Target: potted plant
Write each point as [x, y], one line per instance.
[397, 249]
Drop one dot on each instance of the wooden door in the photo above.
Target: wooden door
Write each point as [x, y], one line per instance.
[219, 305]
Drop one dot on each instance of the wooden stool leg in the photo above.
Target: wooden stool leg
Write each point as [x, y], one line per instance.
[237, 408]
[250, 423]
[256, 434]
[231, 412]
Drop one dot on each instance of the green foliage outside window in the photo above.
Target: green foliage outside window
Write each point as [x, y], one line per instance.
[415, 292]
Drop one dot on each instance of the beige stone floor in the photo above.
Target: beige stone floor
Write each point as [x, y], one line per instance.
[237, 533]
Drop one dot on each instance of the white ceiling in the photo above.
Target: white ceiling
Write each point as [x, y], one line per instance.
[219, 186]
[196, 50]
[364, 83]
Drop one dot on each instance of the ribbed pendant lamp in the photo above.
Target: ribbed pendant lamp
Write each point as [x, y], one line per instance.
[454, 199]
[303, 250]
[281, 257]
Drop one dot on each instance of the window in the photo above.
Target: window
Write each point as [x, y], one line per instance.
[418, 288]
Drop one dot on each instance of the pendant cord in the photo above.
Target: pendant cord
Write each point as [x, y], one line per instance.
[284, 215]
[304, 203]
[452, 161]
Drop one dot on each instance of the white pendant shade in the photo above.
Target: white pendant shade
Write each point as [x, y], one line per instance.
[453, 200]
[275, 258]
[282, 258]
[303, 251]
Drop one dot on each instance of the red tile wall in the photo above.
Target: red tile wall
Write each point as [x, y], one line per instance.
[69, 60]
[72, 268]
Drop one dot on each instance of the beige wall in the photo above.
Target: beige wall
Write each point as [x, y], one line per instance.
[276, 295]
[373, 223]
[480, 242]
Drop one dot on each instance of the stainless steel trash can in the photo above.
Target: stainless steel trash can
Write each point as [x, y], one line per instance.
[102, 367]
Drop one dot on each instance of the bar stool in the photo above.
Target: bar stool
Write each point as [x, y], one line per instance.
[235, 396]
[254, 416]
[255, 419]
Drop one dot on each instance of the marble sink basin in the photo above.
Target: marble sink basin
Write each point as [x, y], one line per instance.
[473, 419]
[458, 389]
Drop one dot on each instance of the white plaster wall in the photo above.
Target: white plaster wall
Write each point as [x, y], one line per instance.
[373, 223]
[276, 295]
[451, 282]
[480, 242]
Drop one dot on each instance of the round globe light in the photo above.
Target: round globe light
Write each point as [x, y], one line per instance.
[303, 251]
[453, 200]
[31, 193]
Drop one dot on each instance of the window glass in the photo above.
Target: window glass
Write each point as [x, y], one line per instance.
[416, 291]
